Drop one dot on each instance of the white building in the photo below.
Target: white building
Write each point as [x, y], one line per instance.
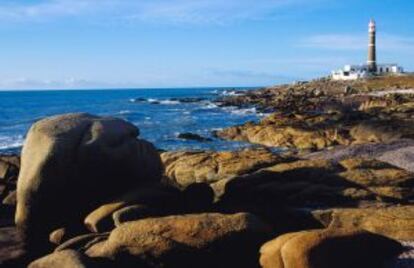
[352, 72]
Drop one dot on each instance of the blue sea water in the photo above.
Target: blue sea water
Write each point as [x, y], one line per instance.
[160, 114]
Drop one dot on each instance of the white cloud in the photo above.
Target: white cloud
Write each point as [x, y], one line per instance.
[357, 42]
[68, 83]
[154, 11]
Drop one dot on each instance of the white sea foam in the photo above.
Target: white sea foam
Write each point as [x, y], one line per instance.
[150, 100]
[231, 93]
[125, 112]
[244, 111]
[209, 105]
[169, 102]
[11, 142]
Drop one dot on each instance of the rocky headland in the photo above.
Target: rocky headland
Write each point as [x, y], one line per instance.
[338, 191]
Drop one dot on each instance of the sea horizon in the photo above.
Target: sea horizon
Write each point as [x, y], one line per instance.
[133, 88]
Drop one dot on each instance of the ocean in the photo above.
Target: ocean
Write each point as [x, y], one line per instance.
[160, 114]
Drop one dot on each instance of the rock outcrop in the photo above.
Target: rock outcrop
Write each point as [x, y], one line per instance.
[155, 201]
[91, 194]
[197, 240]
[186, 168]
[321, 183]
[71, 164]
[341, 248]
[395, 222]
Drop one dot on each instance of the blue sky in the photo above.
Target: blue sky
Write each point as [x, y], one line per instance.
[183, 43]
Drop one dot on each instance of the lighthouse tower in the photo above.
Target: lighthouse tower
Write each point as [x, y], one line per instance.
[353, 72]
[372, 54]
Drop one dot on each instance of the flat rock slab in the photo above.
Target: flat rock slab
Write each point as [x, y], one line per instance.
[399, 153]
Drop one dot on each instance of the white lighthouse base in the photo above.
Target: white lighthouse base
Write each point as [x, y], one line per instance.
[354, 72]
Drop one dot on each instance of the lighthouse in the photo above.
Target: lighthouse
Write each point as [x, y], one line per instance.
[371, 68]
[372, 53]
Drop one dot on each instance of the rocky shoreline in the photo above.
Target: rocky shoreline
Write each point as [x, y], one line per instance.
[87, 192]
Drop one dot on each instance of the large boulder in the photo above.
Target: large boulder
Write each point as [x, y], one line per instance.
[194, 240]
[340, 248]
[72, 163]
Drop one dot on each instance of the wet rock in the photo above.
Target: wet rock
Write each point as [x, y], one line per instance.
[328, 248]
[193, 136]
[94, 157]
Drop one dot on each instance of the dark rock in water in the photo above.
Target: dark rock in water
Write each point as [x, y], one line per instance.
[192, 136]
[139, 100]
[188, 100]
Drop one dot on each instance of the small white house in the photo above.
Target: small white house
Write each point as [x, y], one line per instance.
[353, 72]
